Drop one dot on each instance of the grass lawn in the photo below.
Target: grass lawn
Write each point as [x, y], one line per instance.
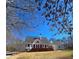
[44, 55]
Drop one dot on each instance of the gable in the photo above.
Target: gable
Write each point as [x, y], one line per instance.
[36, 41]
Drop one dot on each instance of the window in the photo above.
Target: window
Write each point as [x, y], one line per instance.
[41, 46]
[34, 46]
[37, 42]
[45, 46]
[59, 46]
[28, 45]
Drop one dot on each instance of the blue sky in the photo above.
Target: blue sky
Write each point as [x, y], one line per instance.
[42, 28]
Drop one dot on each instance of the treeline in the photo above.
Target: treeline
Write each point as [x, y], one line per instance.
[19, 45]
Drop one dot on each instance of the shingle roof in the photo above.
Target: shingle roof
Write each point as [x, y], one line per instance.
[43, 40]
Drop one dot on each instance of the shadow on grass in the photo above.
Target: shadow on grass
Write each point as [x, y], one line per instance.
[66, 58]
[48, 58]
[69, 57]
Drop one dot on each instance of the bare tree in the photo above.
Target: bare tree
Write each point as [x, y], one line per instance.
[58, 13]
[14, 22]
